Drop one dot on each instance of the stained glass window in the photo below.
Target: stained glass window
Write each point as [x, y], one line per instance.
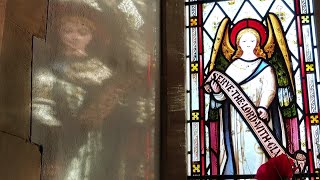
[252, 86]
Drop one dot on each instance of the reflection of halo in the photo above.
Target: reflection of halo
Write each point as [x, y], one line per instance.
[249, 23]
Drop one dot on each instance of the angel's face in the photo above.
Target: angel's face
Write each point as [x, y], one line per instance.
[248, 42]
[75, 34]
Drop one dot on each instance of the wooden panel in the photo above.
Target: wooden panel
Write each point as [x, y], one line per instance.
[19, 160]
[15, 81]
[2, 18]
[22, 20]
[173, 161]
[30, 15]
[19, 20]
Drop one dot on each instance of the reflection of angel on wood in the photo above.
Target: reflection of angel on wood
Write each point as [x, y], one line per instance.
[256, 58]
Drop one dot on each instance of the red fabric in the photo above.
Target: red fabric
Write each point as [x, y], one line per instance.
[214, 130]
[292, 130]
[276, 168]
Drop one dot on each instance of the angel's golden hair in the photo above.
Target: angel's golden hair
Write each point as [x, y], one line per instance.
[257, 50]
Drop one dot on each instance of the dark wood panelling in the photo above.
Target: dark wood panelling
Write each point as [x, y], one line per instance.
[20, 160]
[30, 15]
[2, 18]
[173, 154]
[23, 19]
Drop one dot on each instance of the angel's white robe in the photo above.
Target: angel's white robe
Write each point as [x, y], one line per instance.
[261, 90]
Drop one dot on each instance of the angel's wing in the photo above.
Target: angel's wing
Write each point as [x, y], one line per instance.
[222, 36]
[285, 102]
[220, 59]
[269, 47]
[275, 30]
[278, 57]
[227, 49]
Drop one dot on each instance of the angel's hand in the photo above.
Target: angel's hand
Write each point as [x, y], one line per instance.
[215, 87]
[209, 78]
[207, 88]
[300, 162]
[263, 114]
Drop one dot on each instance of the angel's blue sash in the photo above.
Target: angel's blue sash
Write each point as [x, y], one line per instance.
[256, 72]
[229, 168]
[273, 107]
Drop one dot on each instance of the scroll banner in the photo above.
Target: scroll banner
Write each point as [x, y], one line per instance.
[249, 113]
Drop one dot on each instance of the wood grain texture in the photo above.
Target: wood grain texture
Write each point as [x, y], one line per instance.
[20, 160]
[22, 20]
[30, 15]
[173, 150]
[19, 21]
[15, 81]
[2, 18]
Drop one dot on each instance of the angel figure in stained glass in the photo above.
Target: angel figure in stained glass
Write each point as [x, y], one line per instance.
[256, 59]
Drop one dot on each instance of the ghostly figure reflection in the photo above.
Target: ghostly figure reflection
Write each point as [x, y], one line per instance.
[83, 113]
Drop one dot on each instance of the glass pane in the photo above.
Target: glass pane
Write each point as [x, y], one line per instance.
[95, 82]
[255, 53]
